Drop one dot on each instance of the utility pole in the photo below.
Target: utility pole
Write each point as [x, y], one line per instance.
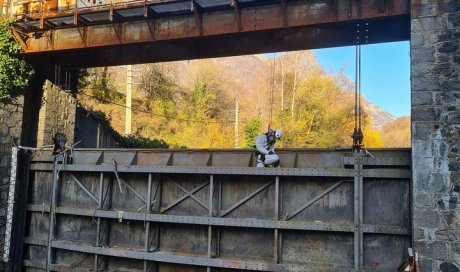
[129, 79]
[236, 125]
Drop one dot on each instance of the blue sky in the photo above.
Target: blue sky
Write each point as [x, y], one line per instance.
[385, 72]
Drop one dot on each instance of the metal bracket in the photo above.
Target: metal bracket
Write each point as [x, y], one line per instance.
[19, 37]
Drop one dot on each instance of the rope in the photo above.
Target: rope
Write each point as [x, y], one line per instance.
[357, 132]
[272, 89]
[155, 114]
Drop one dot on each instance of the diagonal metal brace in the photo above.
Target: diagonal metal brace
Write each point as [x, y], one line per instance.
[82, 186]
[187, 195]
[246, 198]
[313, 200]
[191, 195]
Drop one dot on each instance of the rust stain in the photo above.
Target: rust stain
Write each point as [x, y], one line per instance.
[416, 6]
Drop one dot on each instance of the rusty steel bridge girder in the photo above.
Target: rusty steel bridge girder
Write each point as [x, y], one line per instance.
[137, 32]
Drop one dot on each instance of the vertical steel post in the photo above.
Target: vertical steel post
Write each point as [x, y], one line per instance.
[158, 210]
[147, 228]
[52, 214]
[277, 217]
[219, 208]
[98, 228]
[211, 190]
[358, 210]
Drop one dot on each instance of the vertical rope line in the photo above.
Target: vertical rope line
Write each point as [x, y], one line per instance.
[272, 89]
[356, 88]
[359, 86]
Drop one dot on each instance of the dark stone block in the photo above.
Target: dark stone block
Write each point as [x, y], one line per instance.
[449, 217]
[422, 55]
[443, 69]
[456, 188]
[435, 250]
[448, 267]
[425, 114]
[454, 19]
[450, 85]
[449, 6]
[447, 36]
[457, 59]
[453, 119]
[427, 264]
[422, 99]
[426, 218]
[441, 204]
[447, 47]
[454, 165]
[450, 132]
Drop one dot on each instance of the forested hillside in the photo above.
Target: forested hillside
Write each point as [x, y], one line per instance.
[193, 103]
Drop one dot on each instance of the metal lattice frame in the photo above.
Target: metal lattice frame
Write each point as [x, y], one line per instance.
[155, 215]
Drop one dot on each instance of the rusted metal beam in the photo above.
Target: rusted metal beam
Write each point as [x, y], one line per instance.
[220, 23]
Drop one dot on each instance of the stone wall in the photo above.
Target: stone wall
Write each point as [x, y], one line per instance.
[10, 133]
[92, 132]
[57, 114]
[435, 84]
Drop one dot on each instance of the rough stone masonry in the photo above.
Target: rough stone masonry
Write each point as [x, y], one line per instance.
[435, 84]
[10, 132]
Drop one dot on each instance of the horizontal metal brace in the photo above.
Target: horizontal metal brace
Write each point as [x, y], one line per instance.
[387, 161]
[228, 222]
[279, 267]
[165, 257]
[251, 171]
[53, 267]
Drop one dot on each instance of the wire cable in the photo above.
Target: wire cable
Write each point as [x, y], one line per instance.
[155, 114]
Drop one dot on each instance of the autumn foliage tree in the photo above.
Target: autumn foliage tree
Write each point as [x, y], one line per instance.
[192, 104]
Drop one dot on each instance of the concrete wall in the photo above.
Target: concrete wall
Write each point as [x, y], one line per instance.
[91, 132]
[435, 83]
[57, 114]
[10, 132]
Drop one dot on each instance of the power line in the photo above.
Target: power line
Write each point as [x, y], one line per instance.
[155, 114]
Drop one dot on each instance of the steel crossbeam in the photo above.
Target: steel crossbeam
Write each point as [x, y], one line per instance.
[251, 171]
[226, 222]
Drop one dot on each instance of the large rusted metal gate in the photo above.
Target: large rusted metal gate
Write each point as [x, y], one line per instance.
[212, 210]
